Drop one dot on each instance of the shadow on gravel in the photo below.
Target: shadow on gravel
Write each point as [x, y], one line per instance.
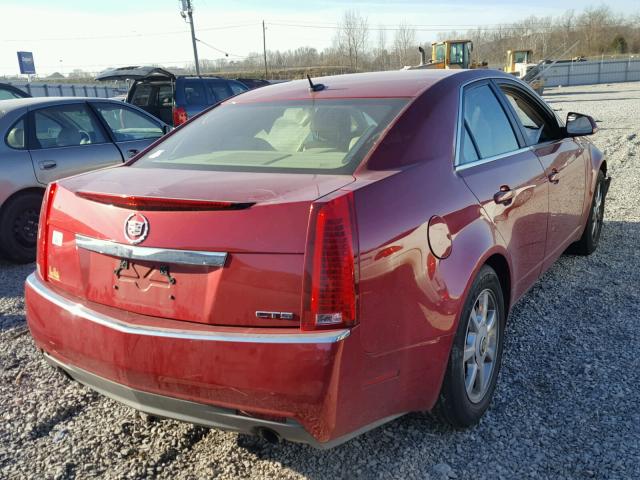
[191, 437]
[42, 429]
[9, 322]
[362, 457]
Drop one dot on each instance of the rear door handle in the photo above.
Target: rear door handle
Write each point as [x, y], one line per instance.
[554, 176]
[132, 152]
[48, 165]
[504, 196]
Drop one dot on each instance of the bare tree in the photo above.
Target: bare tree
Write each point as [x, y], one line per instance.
[600, 31]
[352, 37]
[405, 45]
[380, 53]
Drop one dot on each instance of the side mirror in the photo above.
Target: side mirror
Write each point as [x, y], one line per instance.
[166, 129]
[579, 125]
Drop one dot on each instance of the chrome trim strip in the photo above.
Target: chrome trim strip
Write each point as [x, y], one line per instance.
[482, 161]
[150, 254]
[79, 310]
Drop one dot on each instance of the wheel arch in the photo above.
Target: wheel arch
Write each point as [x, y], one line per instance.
[603, 167]
[498, 262]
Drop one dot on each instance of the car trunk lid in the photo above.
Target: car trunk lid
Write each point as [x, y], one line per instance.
[256, 222]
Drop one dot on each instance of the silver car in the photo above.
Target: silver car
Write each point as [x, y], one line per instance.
[45, 139]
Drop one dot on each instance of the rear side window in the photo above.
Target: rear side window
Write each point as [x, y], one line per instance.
[15, 136]
[141, 94]
[469, 152]
[194, 93]
[487, 123]
[218, 90]
[66, 126]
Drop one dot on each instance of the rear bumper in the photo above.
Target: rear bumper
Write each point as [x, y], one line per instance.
[220, 377]
[192, 412]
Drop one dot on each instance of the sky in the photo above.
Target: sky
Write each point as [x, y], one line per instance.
[93, 35]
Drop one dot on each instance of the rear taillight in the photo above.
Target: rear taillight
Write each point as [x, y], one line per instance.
[330, 265]
[43, 230]
[179, 116]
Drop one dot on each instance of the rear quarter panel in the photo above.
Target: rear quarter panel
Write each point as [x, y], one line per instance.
[408, 297]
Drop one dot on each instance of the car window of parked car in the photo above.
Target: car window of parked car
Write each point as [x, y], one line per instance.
[141, 94]
[218, 90]
[536, 126]
[487, 122]
[310, 136]
[127, 124]
[194, 93]
[15, 136]
[237, 88]
[66, 126]
[165, 95]
[8, 94]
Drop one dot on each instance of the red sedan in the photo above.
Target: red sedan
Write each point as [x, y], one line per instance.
[310, 262]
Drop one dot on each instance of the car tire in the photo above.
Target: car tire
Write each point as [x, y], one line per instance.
[19, 227]
[464, 397]
[593, 228]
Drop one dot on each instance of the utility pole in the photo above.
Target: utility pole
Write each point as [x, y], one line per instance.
[187, 12]
[264, 50]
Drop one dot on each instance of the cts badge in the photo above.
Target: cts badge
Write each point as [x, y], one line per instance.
[136, 228]
[274, 315]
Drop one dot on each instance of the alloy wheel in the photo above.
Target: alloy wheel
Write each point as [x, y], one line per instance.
[597, 213]
[481, 344]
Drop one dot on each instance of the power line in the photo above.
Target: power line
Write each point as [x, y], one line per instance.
[226, 54]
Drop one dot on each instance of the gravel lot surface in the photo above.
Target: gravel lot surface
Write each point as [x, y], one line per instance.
[566, 404]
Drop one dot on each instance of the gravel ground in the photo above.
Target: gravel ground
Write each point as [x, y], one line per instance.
[565, 407]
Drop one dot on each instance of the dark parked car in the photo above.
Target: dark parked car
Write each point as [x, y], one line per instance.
[9, 92]
[173, 98]
[309, 263]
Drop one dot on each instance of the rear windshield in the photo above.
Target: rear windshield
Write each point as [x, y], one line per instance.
[323, 136]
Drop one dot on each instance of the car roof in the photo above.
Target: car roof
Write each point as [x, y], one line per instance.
[388, 84]
[16, 103]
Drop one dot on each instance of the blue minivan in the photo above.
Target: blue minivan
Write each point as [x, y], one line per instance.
[173, 98]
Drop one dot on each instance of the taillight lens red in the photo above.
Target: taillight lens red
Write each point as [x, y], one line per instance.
[330, 265]
[43, 230]
[179, 116]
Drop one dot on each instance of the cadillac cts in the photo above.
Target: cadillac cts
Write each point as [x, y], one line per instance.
[310, 262]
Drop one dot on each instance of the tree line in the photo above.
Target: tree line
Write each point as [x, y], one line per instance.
[357, 46]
